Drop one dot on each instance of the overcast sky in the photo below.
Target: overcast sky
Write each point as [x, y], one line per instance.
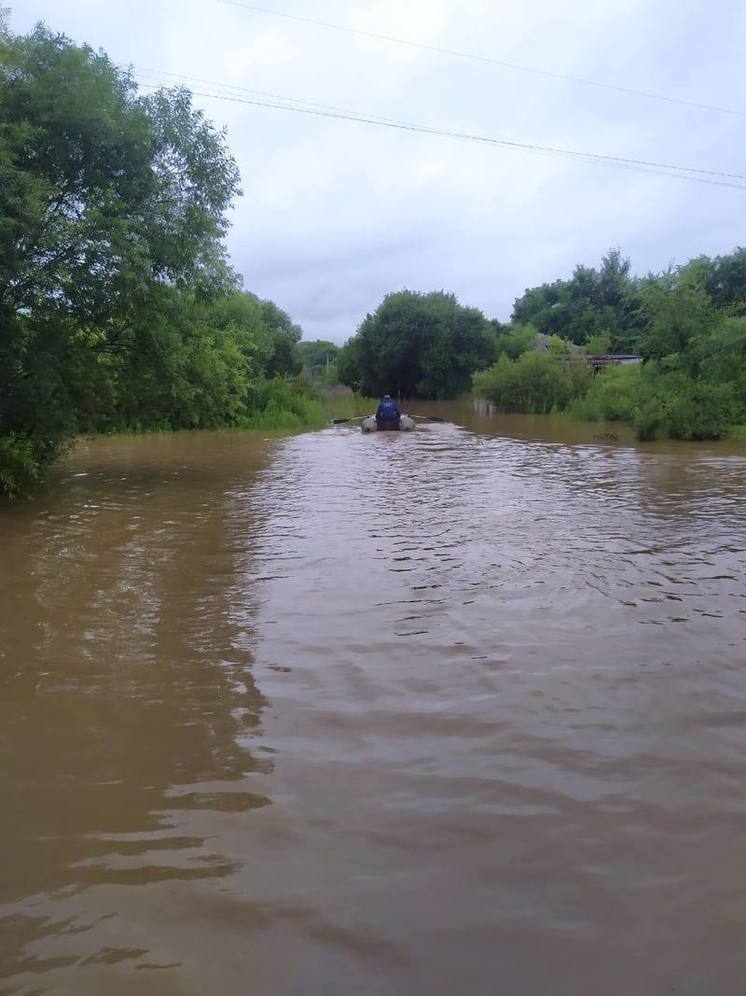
[335, 214]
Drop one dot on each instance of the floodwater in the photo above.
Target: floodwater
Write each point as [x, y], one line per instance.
[461, 711]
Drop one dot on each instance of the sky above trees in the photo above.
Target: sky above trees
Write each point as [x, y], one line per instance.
[335, 214]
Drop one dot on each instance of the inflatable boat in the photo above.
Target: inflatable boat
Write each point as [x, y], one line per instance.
[405, 424]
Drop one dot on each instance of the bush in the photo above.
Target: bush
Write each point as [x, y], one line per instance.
[680, 407]
[282, 403]
[700, 411]
[612, 395]
[534, 383]
[648, 418]
[514, 340]
[22, 464]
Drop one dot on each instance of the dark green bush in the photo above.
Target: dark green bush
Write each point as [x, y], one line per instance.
[612, 395]
[535, 383]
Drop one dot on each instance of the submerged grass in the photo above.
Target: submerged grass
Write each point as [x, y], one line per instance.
[277, 405]
[308, 413]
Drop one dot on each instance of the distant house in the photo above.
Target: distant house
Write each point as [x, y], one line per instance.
[542, 344]
[613, 360]
[597, 362]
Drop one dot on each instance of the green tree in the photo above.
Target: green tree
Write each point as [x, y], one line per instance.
[558, 347]
[348, 364]
[318, 353]
[516, 339]
[725, 281]
[589, 303]
[598, 345]
[106, 200]
[280, 338]
[419, 346]
[676, 309]
[720, 358]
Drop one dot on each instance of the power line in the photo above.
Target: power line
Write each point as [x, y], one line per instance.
[180, 77]
[517, 67]
[278, 102]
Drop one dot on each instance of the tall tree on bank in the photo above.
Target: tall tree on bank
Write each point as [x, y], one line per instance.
[591, 303]
[110, 204]
[418, 346]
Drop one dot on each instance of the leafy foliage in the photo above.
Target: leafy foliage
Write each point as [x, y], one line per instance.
[111, 206]
[534, 383]
[117, 307]
[592, 302]
[513, 340]
[676, 310]
[612, 395]
[418, 346]
[691, 333]
[318, 353]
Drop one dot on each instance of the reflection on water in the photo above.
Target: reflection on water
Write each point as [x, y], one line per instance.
[455, 711]
[128, 702]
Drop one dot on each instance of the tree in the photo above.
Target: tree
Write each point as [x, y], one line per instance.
[590, 303]
[676, 308]
[514, 340]
[598, 345]
[725, 281]
[280, 336]
[348, 364]
[418, 346]
[318, 352]
[106, 199]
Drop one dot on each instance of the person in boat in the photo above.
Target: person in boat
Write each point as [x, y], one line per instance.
[388, 414]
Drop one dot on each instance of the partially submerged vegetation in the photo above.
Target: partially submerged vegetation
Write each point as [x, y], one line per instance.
[294, 405]
[120, 312]
[534, 382]
[682, 331]
[688, 326]
[118, 309]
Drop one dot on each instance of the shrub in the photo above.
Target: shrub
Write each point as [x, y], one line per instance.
[534, 383]
[612, 396]
[700, 411]
[680, 407]
[648, 418]
[21, 464]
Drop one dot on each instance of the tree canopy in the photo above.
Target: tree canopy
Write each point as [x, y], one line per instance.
[118, 308]
[418, 346]
[591, 302]
[688, 324]
[318, 352]
[110, 205]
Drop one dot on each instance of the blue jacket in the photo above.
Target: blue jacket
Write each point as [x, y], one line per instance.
[388, 411]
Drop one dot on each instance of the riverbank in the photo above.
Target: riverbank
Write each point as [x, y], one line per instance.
[472, 414]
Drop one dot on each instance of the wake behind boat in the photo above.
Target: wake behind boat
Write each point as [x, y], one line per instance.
[405, 423]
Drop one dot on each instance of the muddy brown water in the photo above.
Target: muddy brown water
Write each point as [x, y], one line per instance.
[461, 711]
